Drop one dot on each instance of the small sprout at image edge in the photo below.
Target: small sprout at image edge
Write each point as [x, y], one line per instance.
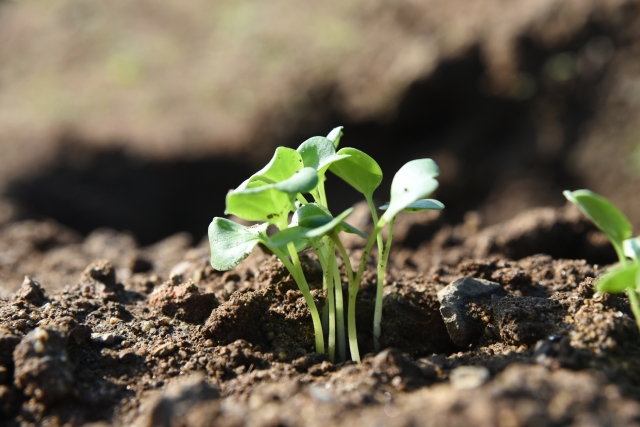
[625, 277]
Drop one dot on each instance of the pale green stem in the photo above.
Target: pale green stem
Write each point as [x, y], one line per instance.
[327, 263]
[321, 192]
[295, 269]
[324, 315]
[377, 319]
[331, 301]
[635, 305]
[382, 266]
[353, 293]
[345, 256]
[342, 343]
[306, 292]
[301, 199]
[620, 252]
[342, 347]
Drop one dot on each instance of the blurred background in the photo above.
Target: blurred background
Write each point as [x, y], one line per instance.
[140, 115]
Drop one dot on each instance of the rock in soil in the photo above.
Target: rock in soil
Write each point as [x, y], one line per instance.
[453, 306]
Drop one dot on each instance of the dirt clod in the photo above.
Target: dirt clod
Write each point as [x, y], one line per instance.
[183, 301]
[32, 291]
[98, 280]
[43, 369]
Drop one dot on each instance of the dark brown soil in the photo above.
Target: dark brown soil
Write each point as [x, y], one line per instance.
[156, 337]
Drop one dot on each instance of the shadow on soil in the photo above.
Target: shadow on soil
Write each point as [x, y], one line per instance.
[489, 149]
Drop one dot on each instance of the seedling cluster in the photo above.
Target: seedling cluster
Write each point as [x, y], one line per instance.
[615, 225]
[289, 193]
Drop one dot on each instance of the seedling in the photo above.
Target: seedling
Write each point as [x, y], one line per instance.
[615, 225]
[279, 189]
[418, 206]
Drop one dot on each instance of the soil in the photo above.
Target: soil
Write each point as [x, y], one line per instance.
[156, 337]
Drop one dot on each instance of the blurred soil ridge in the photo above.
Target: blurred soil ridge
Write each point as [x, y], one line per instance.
[116, 114]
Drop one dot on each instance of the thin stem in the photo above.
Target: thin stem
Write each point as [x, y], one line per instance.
[620, 252]
[296, 272]
[321, 192]
[345, 256]
[635, 305]
[328, 311]
[382, 266]
[306, 292]
[342, 343]
[301, 199]
[331, 300]
[353, 293]
[377, 315]
[342, 347]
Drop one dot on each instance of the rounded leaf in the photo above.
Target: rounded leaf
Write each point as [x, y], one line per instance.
[359, 170]
[272, 202]
[619, 279]
[631, 248]
[414, 181]
[264, 203]
[288, 235]
[420, 205]
[318, 153]
[313, 222]
[284, 163]
[302, 181]
[335, 135]
[603, 213]
[231, 242]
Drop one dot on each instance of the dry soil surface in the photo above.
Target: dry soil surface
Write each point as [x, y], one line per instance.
[156, 337]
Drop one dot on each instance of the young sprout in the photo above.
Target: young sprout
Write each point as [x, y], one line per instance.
[312, 223]
[605, 216]
[270, 195]
[418, 206]
[615, 225]
[414, 181]
[267, 196]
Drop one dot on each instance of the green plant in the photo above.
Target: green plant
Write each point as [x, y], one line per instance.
[279, 189]
[615, 225]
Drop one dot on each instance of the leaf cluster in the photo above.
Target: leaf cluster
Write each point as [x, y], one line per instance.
[289, 193]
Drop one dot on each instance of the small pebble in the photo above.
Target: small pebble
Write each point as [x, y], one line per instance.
[146, 326]
[468, 377]
[163, 350]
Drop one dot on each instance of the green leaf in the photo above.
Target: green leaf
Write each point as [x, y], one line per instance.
[323, 225]
[291, 234]
[414, 181]
[358, 170]
[272, 202]
[267, 204]
[231, 242]
[420, 205]
[603, 213]
[619, 279]
[284, 163]
[303, 181]
[313, 221]
[335, 135]
[632, 248]
[318, 153]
